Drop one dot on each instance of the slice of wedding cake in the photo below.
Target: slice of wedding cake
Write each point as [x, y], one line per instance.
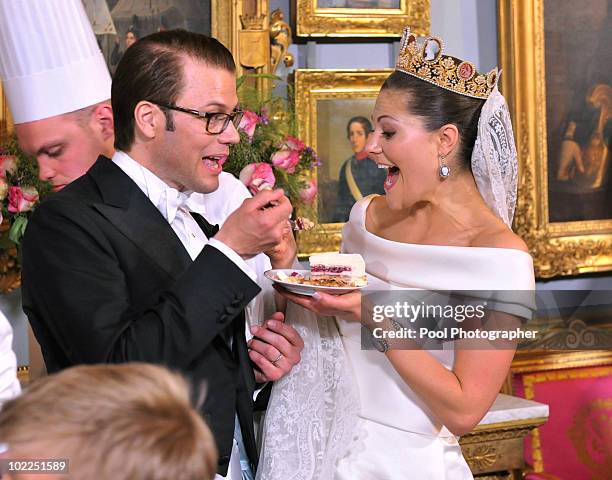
[337, 270]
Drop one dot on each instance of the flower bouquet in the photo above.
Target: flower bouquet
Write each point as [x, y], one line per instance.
[20, 192]
[269, 154]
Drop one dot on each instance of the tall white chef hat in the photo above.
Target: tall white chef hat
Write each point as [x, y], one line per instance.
[50, 62]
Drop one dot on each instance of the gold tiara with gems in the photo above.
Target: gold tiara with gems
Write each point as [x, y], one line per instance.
[427, 63]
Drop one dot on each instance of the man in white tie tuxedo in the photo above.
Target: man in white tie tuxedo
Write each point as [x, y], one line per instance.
[118, 267]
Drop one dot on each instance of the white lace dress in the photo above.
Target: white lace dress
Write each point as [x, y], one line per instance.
[360, 420]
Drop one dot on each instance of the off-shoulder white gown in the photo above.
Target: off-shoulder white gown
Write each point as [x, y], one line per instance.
[398, 436]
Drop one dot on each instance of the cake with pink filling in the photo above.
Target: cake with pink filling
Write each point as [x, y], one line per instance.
[337, 270]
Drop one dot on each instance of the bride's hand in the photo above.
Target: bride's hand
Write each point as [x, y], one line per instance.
[347, 306]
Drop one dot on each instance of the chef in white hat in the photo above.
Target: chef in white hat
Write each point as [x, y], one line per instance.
[57, 86]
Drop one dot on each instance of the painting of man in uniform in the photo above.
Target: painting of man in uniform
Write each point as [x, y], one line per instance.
[579, 116]
[347, 174]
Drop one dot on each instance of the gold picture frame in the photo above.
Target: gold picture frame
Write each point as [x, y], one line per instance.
[313, 20]
[311, 88]
[6, 123]
[558, 247]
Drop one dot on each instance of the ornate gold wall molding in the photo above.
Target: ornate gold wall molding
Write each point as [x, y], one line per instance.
[280, 37]
[234, 23]
[6, 124]
[254, 43]
[262, 42]
[527, 362]
[225, 15]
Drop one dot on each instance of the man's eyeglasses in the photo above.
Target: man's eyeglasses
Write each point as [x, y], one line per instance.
[216, 122]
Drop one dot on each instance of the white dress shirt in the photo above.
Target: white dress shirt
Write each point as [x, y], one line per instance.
[175, 207]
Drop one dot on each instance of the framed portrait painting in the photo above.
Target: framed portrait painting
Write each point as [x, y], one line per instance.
[361, 18]
[333, 110]
[556, 60]
[119, 23]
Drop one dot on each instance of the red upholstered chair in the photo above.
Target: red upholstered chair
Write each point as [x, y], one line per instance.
[576, 442]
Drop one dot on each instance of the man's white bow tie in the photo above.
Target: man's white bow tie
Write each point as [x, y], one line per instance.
[173, 200]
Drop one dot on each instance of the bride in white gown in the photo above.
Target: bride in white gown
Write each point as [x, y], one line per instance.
[444, 224]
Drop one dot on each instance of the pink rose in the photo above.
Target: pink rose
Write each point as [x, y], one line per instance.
[3, 188]
[292, 143]
[8, 163]
[286, 159]
[257, 176]
[309, 193]
[248, 123]
[22, 199]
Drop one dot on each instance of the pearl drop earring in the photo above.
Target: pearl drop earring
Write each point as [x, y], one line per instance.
[444, 171]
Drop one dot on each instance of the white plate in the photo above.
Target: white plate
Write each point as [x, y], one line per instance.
[308, 290]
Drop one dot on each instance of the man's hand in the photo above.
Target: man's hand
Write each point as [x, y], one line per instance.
[257, 225]
[283, 254]
[275, 348]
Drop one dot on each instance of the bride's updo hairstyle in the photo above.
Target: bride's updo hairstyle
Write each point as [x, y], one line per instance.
[437, 107]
